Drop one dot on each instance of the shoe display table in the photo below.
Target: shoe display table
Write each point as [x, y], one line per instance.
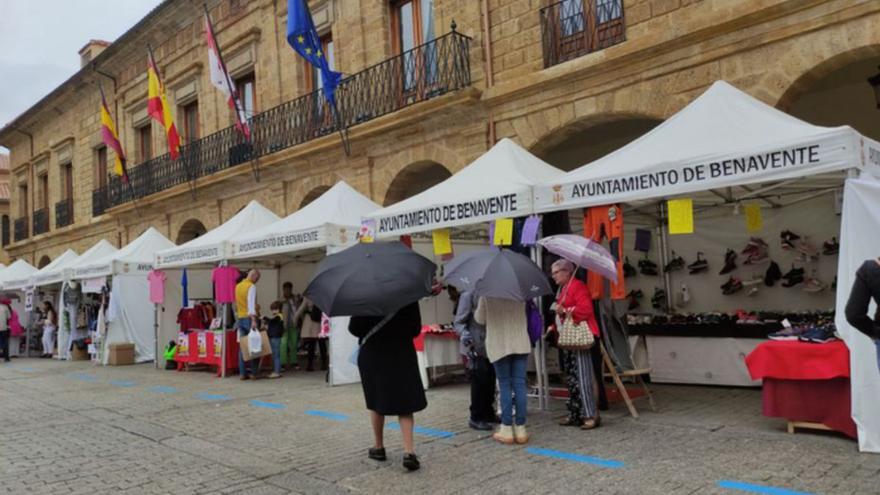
[204, 347]
[807, 384]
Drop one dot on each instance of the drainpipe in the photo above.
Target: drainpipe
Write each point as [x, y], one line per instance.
[490, 73]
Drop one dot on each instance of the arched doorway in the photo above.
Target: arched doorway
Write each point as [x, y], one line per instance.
[312, 195]
[44, 261]
[413, 179]
[190, 229]
[583, 142]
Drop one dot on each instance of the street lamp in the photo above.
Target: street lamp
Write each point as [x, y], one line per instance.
[874, 81]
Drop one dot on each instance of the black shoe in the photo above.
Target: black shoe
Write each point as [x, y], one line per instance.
[794, 277]
[647, 267]
[732, 286]
[377, 454]
[787, 240]
[658, 300]
[628, 269]
[830, 248]
[773, 275]
[495, 420]
[411, 462]
[729, 262]
[677, 263]
[480, 425]
[701, 265]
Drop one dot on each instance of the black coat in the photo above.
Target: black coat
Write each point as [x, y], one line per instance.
[388, 364]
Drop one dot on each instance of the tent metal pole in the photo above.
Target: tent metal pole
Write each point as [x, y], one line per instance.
[664, 257]
[156, 334]
[226, 307]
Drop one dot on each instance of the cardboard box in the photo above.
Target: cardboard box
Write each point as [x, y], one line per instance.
[77, 354]
[121, 354]
[245, 352]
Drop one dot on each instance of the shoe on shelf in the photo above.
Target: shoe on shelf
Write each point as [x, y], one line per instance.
[647, 267]
[675, 264]
[753, 291]
[701, 265]
[658, 300]
[628, 269]
[684, 295]
[633, 301]
[755, 244]
[732, 286]
[830, 248]
[756, 279]
[813, 284]
[787, 240]
[791, 333]
[773, 275]
[818, 334]
[794, 277]
[729, 262]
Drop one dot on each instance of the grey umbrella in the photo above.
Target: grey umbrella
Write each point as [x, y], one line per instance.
[499, 273]
[373, 279]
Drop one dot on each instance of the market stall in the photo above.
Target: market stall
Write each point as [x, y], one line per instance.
[183, 276]
[129, 319]
[726, 151]
[21, 270]
[297, 242]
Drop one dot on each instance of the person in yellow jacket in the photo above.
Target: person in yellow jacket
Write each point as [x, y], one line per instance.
[246, 318]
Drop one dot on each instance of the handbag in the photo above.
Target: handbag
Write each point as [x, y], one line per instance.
[575, 336]
[353, 357]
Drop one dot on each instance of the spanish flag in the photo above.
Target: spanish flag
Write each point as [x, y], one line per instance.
[111, 139]
[157, 106]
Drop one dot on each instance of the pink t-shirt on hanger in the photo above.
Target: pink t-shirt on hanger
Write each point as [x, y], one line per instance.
[224, 283]
[156, 279]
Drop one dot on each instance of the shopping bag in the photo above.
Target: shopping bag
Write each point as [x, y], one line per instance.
[255, 343]
[574, 336]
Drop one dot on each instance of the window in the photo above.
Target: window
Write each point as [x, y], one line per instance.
[23, 209]
[100, 167]
[314, 75]
[191, 121]
[144, 143]
[413, 23]
[67, 181]
[43, 191]
[5, 229]
[245, 86]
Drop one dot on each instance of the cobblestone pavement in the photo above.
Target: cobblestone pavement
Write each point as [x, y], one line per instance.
[71, 428]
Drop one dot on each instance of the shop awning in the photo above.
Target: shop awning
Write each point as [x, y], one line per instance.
[332, 219]
[496, 185]
[136, 257]
[723, 138]
[100, 250]
[214, 245]
[43, 276]
[20, 270]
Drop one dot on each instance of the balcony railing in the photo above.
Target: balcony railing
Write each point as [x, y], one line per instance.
[427, 71]
[21, 228]
[41, 221]
[574, 28]
[63, 213]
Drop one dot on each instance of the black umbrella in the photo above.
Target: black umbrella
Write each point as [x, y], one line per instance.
[370, 279]
[499, 273]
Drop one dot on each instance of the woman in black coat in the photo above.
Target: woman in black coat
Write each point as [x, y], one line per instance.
[390, 376]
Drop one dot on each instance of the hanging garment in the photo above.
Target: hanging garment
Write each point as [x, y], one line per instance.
[156, 279]
[601, 223]
[224, 278]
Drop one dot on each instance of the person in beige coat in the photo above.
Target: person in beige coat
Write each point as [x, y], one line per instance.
[508, 348]
[308, 317]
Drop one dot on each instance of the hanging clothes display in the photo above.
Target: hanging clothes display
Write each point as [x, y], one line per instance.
[606, 223]
[224, 278]
[156, 279]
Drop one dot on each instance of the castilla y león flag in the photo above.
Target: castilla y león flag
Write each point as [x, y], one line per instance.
[157, 106]
[221, 80]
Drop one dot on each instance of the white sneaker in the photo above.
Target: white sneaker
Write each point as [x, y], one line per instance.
[755, 280]
[504, 434]
[520, 435]
[752, 292]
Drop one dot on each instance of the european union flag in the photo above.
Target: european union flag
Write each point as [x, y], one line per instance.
[303, 37]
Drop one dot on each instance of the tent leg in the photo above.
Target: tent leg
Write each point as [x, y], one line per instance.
[223, 341]
[664, 258]
[156, 334]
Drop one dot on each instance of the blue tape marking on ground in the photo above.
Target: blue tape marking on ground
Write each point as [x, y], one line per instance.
[207, 396]
[123, 383]
[567, 456]
[748, 487]
[327, 415]
[430, 432]
[84, 377]
[162, 389]
[267, 405]
[26, 370]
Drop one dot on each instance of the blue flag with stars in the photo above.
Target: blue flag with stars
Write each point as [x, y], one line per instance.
[303, 37]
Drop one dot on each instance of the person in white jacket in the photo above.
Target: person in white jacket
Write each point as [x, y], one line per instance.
[508, 348]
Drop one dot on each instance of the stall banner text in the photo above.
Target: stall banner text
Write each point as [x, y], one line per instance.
[190, 255]
[281, 241]
[495, 205]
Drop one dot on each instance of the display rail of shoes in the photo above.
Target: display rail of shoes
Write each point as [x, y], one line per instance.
[816, 327]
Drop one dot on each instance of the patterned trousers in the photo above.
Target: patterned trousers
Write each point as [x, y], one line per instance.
[578, 369]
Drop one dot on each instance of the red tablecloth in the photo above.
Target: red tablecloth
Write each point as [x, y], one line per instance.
[211, 355]
[793, 360]
[434, 332]
[805, 382]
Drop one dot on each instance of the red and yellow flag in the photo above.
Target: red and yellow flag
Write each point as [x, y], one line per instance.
[111, 139]
[157, 106]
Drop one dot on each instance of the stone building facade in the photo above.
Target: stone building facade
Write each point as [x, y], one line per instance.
[569, 80]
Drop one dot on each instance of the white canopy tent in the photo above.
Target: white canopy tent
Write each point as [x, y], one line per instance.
[329, 223]
[214, 245]
[129, 316]
[52, 273]
[19, 270]
[727, 139]
[498, 184]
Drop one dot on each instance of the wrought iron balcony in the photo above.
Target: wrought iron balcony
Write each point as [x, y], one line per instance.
[63, 213]
[574, 28]
[425, 72]
[22, 226]
[41, 221]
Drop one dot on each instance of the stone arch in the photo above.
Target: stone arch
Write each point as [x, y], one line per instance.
[583, 140]
[821, 69]
[312, 195]
[413, 179]
[190, 229]
[44, 261]
[390, 167]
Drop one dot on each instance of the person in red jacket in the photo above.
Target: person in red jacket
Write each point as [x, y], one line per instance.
[574, 298]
